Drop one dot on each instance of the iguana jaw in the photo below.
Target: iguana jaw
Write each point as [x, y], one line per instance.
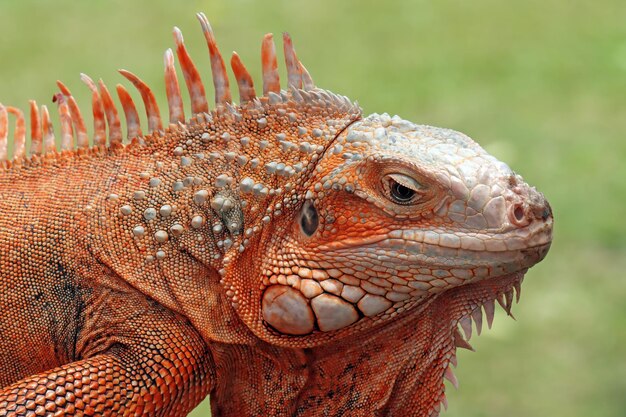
[482, 284]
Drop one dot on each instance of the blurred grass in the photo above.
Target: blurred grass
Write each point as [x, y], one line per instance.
[540, 84]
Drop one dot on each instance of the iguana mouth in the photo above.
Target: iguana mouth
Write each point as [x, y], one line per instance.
[308, 299]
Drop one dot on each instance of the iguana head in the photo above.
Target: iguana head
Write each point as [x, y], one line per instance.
[351, 222]
[394, 215]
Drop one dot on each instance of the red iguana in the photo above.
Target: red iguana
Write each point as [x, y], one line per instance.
[286, 255]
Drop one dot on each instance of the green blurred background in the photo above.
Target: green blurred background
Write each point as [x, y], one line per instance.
[540, 83]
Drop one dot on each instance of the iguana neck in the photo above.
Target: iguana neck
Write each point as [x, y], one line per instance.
[386, 370]
[201, 194]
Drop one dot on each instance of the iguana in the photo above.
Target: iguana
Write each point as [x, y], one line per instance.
[285, 255]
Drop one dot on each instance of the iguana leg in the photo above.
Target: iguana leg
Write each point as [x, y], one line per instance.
[150, 363]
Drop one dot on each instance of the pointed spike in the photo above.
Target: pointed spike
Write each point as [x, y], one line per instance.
[444, 401]
[82, 138]
[296, 95]
[509, 300]
[99, 123]
[19, 134]
[489, 307]
[271, 80]
[449, 375]
[63, 88]
[174, 99]
[466, 325]
[4, 132]
[500, 300]
[477, 315]
[454, 361]
[244, 80]
[67, 132]
[113, 120]
[149, 101]
[48, 130]
[133, 124]
[218, 68]
[36, 135]
[459, 341]
[294, 74]
[192, 77]
[307, 81]
[509, 297]
[518, 290]
[505, 304]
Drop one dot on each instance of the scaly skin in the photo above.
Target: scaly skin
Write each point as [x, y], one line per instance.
[286, 256]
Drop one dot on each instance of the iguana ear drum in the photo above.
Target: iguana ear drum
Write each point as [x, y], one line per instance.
[309, 220]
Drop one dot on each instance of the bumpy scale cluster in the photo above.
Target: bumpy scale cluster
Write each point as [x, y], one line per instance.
[220, 181]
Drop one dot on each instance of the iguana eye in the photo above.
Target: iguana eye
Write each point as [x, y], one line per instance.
[309, 220]
[402, 189]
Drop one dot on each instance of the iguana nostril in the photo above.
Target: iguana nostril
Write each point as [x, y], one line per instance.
[517, 215]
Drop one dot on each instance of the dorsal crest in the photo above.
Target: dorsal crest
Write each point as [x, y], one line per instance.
[107, 128]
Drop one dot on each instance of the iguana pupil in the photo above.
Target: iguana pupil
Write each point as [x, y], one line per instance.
[401, 193]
